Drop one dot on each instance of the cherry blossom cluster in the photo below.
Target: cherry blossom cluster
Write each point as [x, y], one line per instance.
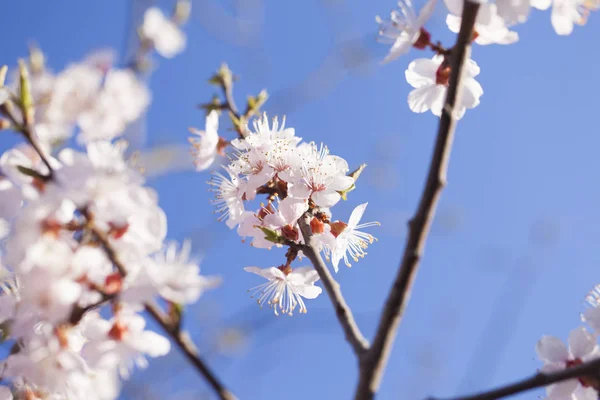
[94, 97]
[57, 269]
[300, 182]
[82, 239]
[582, 347]
[430, 77]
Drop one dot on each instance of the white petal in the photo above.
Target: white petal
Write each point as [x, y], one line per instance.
[454, 6]
[426, 12]
[326, 198]
[513, 11]
[270, 273]
[291, 209]
[585, 393]
[5, 393]
[212, 123]
[472, 69]
[421, 72]
[472, 91]
[400, 47]
[561, 17]
[153, 344]
[562, 390]
[592, 317]
[308, 291]
[453, 23]
[423, 99]
[304, 275]
[541, 4]
[356, 215]
[342, 182]
[550, 348]
[581, 342]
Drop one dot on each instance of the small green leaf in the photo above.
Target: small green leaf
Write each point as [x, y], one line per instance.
[356, 173]
[26, 98]
[271, 235]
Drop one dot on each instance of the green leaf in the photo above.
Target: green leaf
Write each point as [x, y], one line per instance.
[356, 173]
[271, 235]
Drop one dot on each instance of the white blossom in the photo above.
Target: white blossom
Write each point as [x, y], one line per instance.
[489, 27]
[285, 288]
[208, 145]
[164, 34]
[567, 13]
[121, 342]
[405, 28]
[556, 357]
[430, 78]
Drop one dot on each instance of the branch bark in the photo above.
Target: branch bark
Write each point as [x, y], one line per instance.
[375, 360]
[590, 368]
[344, 315]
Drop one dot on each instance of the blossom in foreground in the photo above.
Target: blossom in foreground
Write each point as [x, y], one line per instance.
[164, 34]
[121, 342]
[172, 274]
[285, 287]
[208, 145]
[489, 27]
[430, 79]
[556, 357]
[405, 28]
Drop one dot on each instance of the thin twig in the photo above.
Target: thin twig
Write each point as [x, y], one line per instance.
[227, 87]
[353, 335]
[26, 129]
[181, 338]
[590, 368]
[190, 351]
[373, 364]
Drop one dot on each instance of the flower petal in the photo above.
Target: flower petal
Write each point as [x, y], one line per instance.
[421, 72]
[552, 349]
[581, 342]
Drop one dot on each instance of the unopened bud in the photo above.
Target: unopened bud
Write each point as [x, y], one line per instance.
[26, 98]
[289, 232]
[3, 71]
[37, 60]
[317, 226]
[113, 283]
[337, 227]
[183, 9]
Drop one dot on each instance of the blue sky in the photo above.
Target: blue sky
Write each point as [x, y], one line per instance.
[514, 247]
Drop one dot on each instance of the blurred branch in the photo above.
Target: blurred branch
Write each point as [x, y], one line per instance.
[181, 338]
[373, 364]
[342, 311]
[590, 368]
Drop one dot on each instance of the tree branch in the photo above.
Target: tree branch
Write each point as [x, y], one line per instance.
[353, 335]
[591, 368]
[181, 338]
[190, 351]
[374, 362]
